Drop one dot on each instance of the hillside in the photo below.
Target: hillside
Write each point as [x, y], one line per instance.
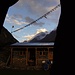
[6, 38]
[43, 37]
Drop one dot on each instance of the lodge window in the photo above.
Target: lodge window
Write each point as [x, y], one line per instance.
[22, 53]
[40, 53]
[43, 53]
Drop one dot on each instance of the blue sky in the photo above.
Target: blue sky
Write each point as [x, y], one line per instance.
[26, 11]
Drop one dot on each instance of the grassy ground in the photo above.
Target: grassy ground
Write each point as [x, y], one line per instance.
[23, 72]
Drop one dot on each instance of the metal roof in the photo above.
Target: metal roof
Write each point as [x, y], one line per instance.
[33, 44]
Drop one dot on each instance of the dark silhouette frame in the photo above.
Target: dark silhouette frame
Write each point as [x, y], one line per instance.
[4, 6]
[59, 46]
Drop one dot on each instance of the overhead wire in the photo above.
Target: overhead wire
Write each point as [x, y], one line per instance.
[37, 19]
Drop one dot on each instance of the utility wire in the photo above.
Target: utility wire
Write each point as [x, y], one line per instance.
[38, 18]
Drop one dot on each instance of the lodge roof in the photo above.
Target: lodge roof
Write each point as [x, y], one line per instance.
[33, 44]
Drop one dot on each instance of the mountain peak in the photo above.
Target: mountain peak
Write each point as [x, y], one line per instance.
[44, 37]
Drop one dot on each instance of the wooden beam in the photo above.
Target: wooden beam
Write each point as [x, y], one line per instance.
[11, 61]
[48, 53]
[36, 54]
[26, 56]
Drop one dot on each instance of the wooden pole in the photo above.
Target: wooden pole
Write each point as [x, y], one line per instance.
[48, 53]
[36, 55]
[11, 61]
[26, 56]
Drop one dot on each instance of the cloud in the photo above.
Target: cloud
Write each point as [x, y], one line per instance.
[15, 19]
[17, 16]
[41, 30]
[36, 6]
[55, 16]
[58, 1]
[29, 37]
[29, 20]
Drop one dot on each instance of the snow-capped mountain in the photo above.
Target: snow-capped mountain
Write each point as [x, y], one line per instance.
[44, 37]
[41, 35]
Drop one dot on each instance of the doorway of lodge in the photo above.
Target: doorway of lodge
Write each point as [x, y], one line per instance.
[31, 57]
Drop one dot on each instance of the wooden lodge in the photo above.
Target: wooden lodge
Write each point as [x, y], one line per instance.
[30, 54]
